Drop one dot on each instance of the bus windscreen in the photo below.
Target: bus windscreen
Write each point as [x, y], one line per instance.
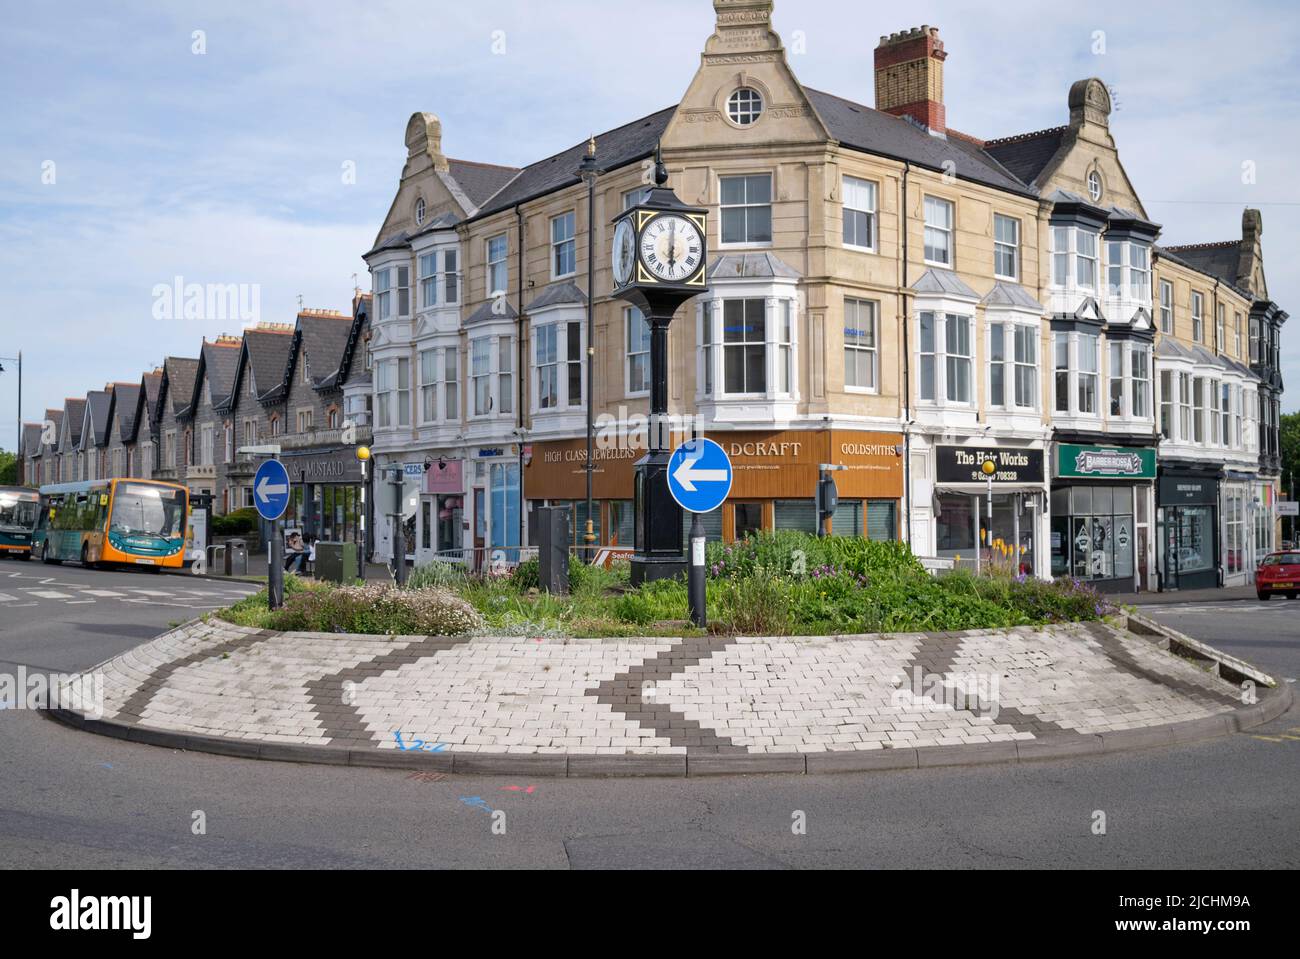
[140, 509]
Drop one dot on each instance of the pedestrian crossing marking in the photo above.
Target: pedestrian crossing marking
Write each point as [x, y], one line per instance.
[103, 593]
[50, 594]
[6, 598]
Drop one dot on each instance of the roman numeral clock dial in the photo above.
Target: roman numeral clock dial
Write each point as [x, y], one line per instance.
[671, 248]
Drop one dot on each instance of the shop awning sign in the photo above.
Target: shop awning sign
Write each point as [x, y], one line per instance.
[1105, 462]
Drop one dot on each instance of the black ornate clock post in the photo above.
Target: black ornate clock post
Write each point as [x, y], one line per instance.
[660, 261]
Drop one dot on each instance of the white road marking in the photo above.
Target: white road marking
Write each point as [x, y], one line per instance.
[6, 598]
[152, 592]
[50, 594]
[103, 593]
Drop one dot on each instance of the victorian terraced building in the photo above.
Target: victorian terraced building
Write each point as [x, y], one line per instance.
[887, 294]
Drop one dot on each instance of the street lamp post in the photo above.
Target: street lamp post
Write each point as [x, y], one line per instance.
[18, 442]
[589, 172]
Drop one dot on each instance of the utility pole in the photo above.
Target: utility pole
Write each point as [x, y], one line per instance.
[589, 172]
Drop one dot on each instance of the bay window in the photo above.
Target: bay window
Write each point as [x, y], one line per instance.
[480, 371]
[1013, 365]
[744, 337]
[1061, 365]
[1139, 271]
[1078, 371]
[491, 385]
[945, 353]
[1225, 409]
[1184, 407]
[428, 386]
[383, 296]
[1117, 379]
[1254, 340]
[1167, 404]
[392, 393]
[1087, 351]
[938, 231]
[1198, 409]
[1080, 245]
[403, 291]
[428, 263]
[450, 278]
[861, 362]
[1215, 413]
[1086, 259]
[1140, 367]
[451, 383]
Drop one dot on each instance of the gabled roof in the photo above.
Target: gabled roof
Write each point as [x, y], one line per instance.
[321, 339]
[150, 384]
[618, 147]
[350, 371]
[557, 294]
[181, 373]
[55, 417]
[943, 283]
[1218, 261]
[736, 266]
[1026, 155]
[218, 362]
[99, 414]
[126, 406]
[862, 128]
[265, 354]
[479, 181]
[74, 414]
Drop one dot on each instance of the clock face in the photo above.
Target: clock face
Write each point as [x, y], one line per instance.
[672, 248]
[624, 252]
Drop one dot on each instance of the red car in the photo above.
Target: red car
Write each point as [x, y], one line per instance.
[1279, 573]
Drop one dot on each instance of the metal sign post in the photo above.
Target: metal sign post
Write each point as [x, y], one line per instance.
[699, 479]
[398, 481]
[271, 497]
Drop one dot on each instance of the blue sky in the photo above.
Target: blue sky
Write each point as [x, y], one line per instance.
[226, 167]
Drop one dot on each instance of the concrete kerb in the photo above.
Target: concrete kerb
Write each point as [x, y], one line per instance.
[1270, 705]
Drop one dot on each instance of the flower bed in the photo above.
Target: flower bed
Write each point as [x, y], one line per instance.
[774, 584]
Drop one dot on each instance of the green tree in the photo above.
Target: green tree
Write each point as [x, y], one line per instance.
[1290, 430]
[8, 468]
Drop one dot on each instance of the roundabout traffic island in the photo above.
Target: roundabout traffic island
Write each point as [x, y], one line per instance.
[478, 702]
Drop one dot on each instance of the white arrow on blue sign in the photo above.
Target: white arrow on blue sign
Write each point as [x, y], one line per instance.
[271, 490]
[699, 476]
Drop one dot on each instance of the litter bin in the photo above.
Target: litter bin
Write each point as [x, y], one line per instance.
[236, 557]
[336, 562]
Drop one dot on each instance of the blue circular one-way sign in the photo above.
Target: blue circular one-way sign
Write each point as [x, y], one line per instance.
[271, 490]
[699, 476]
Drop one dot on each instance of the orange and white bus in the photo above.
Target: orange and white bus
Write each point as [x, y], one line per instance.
[128, 521]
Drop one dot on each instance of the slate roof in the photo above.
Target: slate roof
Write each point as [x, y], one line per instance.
[220, 361]
[557, 294]
[152, 383]
[1026, 155]
[323, 339]
[943, 283]
[734, 266]
[1012, 295]
[267, 353]
[352, 371]
[618, 147]
[126, 401]
[181, 373]
[863, 128]
[1216, 260]
[31, 439]
[55, 417]
[480, 181]
[101, 409]
[74, 411]
[485, 312]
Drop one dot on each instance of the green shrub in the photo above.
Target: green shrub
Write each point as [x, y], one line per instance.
[657, 602]
[527, 575]
[760, 604]
[439, 573]
[378, 608]
[237, 522]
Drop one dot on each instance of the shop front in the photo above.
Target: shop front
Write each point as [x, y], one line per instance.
[326, 501]
[1188, 521]
[441, 525]
[1101, 509]
[988, 520]
[1237, 508]
[774, 486]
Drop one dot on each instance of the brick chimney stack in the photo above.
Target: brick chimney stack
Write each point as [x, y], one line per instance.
[909, 77]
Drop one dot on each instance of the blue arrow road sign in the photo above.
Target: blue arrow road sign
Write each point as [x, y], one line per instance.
[699, 476]
[271, 490]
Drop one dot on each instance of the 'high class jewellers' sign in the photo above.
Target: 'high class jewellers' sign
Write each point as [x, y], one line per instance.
[964, 464]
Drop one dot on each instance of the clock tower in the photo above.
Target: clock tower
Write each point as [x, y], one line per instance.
[660, 261]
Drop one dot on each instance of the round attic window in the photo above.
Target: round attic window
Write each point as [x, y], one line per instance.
[1094, 186]
[419, 212]
[745, 106]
